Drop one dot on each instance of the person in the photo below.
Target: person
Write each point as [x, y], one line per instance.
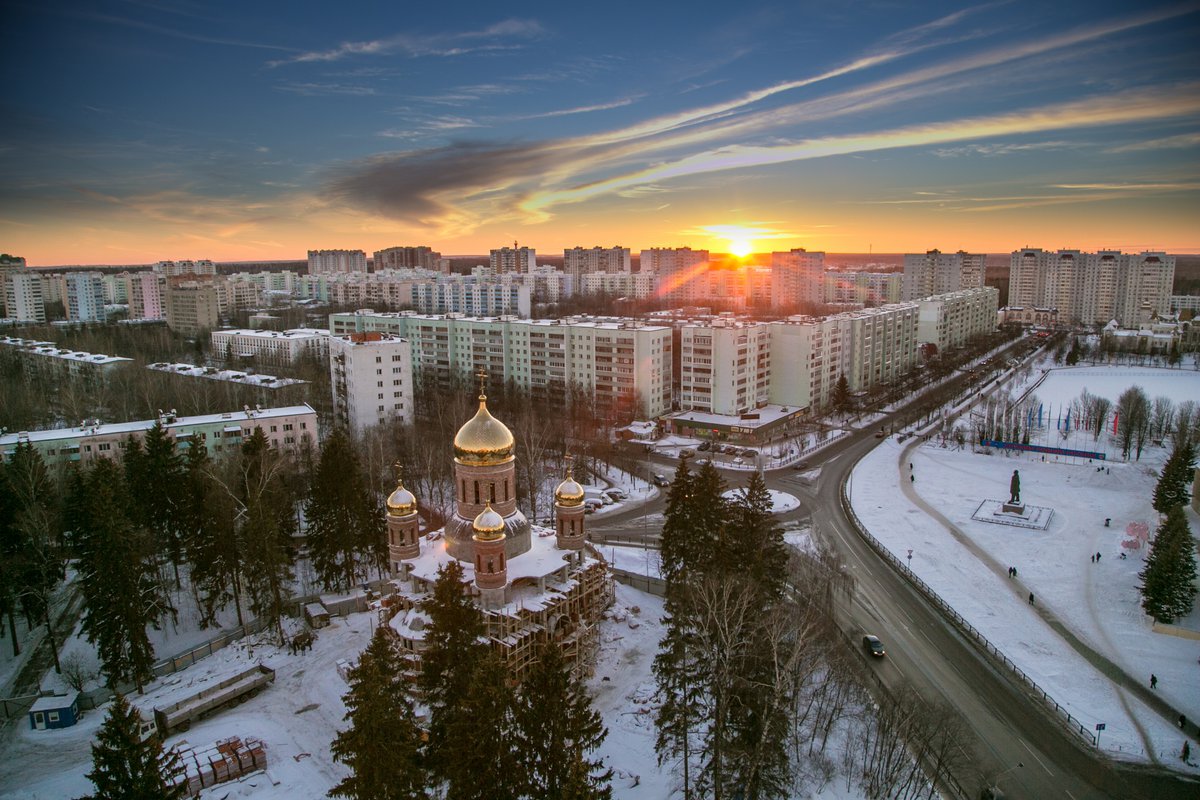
[1182, 721]
[1092, 559]
[1123, 556]
[1097, 558]
[1015, 572]
[912, 478]
[1031, 598]
[1153, 681]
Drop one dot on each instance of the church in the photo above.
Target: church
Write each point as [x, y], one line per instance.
[532, 584]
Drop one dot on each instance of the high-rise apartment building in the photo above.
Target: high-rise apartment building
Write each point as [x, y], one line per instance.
[85, 297]
[867, 288]
[22, 294]
[724, 366]
[677, 269]
[371, 375]
[1092, 288]
[587, 260]
[950, 320]
[797, 278]
[513, 259]
[879, 344]
[638, 285]
[191, 306]
[935, 272]
[323, 262]
[175, 269]
[144, 292]
[419, 257]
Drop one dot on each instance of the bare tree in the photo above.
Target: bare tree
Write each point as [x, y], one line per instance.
[1162, 415]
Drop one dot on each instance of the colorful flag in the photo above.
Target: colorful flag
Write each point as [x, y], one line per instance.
[1040, 414]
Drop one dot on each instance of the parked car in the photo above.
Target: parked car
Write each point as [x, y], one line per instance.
[592, 504]
[799, 465]
[739, 460]
[748, 453]
[687, 453]
[616, 494]
[704, 446]
[874, 646]
[660, 480]
[879, 435]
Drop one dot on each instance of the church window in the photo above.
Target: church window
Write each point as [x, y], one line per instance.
[492, 491]
[476, 492]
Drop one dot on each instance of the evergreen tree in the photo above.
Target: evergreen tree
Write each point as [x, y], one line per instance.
[210, 539]
[345, 521]
[117, 577]
[155, 474]
[1169, 575]
[676, 548]
[756, 545]
[1174, 486]
[126, 768]
[711, 534]
[841, 394]
[265, 528]
[488, 768]
[557, 729]
[453, 649]
[10, 548]
[382, 746]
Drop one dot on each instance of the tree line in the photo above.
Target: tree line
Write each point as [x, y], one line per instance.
[1168, 577]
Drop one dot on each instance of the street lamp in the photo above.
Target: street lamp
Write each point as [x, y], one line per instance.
[995, 792]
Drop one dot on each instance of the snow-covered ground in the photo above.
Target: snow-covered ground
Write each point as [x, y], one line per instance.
[1098, 601]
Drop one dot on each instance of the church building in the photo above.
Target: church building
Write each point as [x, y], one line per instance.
[533, 584]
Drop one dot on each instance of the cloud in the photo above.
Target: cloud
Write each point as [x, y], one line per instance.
[325, 89]
[1169, 142]
[417, 45]
[581, 109]
[987, 149]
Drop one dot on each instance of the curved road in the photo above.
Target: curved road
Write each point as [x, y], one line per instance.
[1019, 746]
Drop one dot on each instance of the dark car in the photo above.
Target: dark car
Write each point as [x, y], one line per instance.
[704, 446]
[874, 646]
[800, 465]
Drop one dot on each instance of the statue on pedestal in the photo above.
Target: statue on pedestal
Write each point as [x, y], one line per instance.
[1014, 488]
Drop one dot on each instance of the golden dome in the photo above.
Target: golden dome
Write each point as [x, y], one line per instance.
[483, 440]
[401, 501]
[489, 524]
[569, 493]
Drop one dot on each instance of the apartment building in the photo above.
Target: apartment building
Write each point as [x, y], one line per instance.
[22, 295]
[1093, 288]
[286, 428]
[950, 320]
[175, 269]
[863, 288]
[371, 376]
[797, 278]
[324, 262]
[272, 347]
[587, 260]
[806, 360]
[512, 259]
[191, 306]
[49, 359]
[935, 272]
[638, 285]
[624, 365]
[724, 366]
[144, 293]
[419, 257]
[85, 297]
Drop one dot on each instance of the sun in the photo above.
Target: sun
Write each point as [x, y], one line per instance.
[741, 247]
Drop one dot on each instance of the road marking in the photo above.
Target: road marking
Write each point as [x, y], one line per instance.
[1068, 791]
[1035, 757]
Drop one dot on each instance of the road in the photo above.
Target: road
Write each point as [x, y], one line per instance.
[1019, 746]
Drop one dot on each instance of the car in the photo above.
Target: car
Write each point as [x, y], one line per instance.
[616, 494]
[799, 465]
[748, 453]
[879, 435]
[704, 446]
[874, 646]
[592, 504]
[704, 462]
[660, 480]
[687, 453]
[739, 460]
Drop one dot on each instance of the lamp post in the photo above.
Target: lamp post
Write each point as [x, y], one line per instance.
[996, 780]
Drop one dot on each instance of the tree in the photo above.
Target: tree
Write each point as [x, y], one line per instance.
[117, 577]
[1133, 418]
[490, 767]
[1168, 577]
[210, 538]
[345, 522]
[382, 746]
[453, 649]
[1174, 486]
[265, 525]
[557, 729]
[755, 544]
[126, 768]
[841, 394]
[155, 476]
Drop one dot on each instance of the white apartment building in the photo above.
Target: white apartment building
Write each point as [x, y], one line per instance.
[1185, 302]
[879, 344]
[950, 320]
[322, 262]
[419, 257]
[50, 358]
[144, 292]
[22, 294]
[513, 259]
[286, 428]
[797, 278]
[276, 347]
[724, 366]
[587, 260]
[371, 375]
[175, 269]
[85, 297]
[1093, 288]
[865, 288]
[638, 285]
[806, 360]
[624, 365]
[429, 292]
[935, 272]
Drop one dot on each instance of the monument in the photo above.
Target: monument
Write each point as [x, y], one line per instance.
[1014, 512]
[1014, 504]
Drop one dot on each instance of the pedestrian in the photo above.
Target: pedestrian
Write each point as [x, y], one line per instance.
[1108, 470]
[1092, 559]
[1153, 681]
[910, 469]
[1182, 721]
[1097, 558]
[912, 478]
[1015, 573]
[1031, 598]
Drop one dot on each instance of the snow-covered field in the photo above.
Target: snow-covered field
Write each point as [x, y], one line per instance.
[1098, 601]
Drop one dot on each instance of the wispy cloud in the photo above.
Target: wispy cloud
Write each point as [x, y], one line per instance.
[566, 112]
[174, 33]
[502, 35]
[325, 89]
[997, 149]
[1166, 143]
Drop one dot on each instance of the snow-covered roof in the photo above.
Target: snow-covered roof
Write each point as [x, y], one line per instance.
[54, 702]
[232, 376]
[759, 417]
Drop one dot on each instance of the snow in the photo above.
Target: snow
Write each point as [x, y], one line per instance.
[781, 502]
[1098, 602]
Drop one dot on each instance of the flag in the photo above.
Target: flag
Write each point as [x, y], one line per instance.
[1040, 414]
[1115, 415]
[1067, 427]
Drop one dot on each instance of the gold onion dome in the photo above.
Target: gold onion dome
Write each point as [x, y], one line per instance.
[569, 493]
[401, 501]
[489, 524]
[483, 440]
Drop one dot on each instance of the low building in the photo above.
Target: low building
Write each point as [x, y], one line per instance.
[49, 358]
[273, 347]
[1028, 316]
[54, 711]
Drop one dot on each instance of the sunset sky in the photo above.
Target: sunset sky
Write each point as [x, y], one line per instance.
[141, 130]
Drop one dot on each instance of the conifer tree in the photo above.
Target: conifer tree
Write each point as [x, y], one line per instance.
[1174, 486]
[210, 538]
[557, 730]
[10, 548]
[1168, 578]
[677, 523]
[841, 394]
[265, 528]
[345, 522]
[117, 576]
[155, 473]
[453, 649]
[382, 746]
[489, 767]
[755, 543]
[126, 768]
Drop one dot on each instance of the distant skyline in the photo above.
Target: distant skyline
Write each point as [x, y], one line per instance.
[140, 130]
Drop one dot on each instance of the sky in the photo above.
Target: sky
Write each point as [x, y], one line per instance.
[140, 130]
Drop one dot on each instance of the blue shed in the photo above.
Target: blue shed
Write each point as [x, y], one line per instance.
[56, 711]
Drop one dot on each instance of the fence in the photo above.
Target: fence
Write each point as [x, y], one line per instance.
[11, 707]
[646, 583]
[966, 627]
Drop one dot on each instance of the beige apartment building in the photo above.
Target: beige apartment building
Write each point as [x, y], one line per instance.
[192, 306]
[935, 272]
[797, 278]
[1093, 288]
[950, 320]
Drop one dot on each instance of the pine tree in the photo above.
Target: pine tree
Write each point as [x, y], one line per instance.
[676, 548]
[382, 746]
[264, 530]
[345, 522]
[10, 548]
[756, 545]
[1174, 486]
[1168, 578]
[155, 474]
[117, 577]
[126, 768]
[557, 729]
[841, 394]
[210, 539]
[488, 768]
[453, 649]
